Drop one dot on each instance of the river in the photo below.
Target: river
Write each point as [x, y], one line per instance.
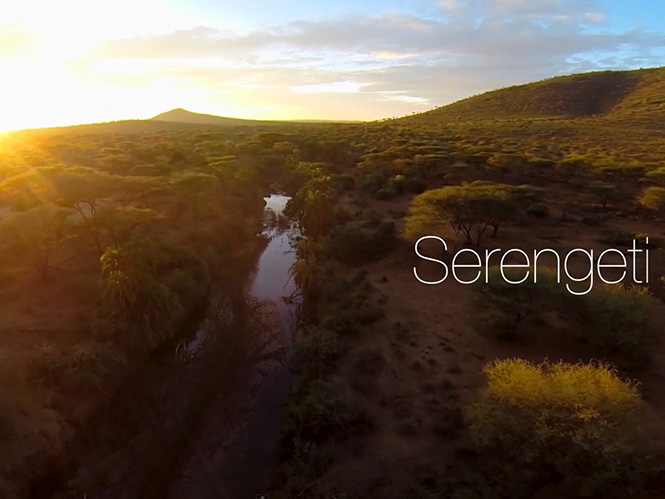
[202, 422]
[238, 464]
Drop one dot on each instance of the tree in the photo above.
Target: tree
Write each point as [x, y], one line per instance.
[578, 420]
[470, 209]
[83, 189]
[605, 191]
[134, 296]
[195, 192]
[507, 163]
[117, 224]
[28, 189]
[37, 232]
[313, 207]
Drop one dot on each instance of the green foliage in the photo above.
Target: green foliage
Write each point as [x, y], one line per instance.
[578, 420]
[505, 307]
[653, 198]
[313, 207]
[415, 185]
[315, 353]
[10, 409]
[614, 320]
[133, 295]
[80, 367]
[605, 191]
[352, 244]
[328, 409]
[470, 209]
[37, 232]
[343, 182]
[540, 210]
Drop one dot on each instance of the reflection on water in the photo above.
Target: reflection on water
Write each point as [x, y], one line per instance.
[272, 280]
[251, 456]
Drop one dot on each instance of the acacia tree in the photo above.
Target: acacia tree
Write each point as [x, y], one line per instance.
[605, 191]
[37, 232]
[117, 224]
[103, 202]
[83, 189]
[470, 209]
[195, 191]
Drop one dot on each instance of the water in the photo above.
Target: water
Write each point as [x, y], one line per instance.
[246, 472]
[205, 427]
[272, 280]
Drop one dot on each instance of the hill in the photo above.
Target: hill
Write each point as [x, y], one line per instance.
[617, 94]
[183, 116]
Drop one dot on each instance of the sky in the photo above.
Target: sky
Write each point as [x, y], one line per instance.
[85, 61]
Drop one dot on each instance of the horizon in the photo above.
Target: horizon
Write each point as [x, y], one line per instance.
[281, 62]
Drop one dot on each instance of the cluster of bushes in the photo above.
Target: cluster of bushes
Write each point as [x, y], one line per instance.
[324, 410]
[355, 245]
[613, 319]
[385, 187]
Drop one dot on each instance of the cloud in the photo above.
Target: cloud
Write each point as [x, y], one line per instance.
[400, 58]
[15, 40]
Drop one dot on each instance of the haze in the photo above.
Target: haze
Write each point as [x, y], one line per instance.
[78, 61]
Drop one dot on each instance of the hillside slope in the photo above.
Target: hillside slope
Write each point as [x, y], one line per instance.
[635, 94]
[183, 116]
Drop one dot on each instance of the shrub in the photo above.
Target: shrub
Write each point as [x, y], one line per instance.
[327, 409]
[351, 244]
[505, 307]
[82, 366]
[415, 185]
[10, 409]
[387, 194]
[343, 182]
[617, 237]
[577, 420]
[315, 353]
[615, 319]
[540, 210]
[653, 198]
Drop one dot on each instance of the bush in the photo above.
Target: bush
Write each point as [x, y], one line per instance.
[415, 185]
[10, 410]
[315, 353]
[343, 182]
[615, 320]
[351, 244]
[579, 421]
[82, 366]
[540, 210]
[386, 194]
[327, 409]
[506, 307]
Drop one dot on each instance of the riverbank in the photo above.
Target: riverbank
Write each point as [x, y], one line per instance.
[192, 397]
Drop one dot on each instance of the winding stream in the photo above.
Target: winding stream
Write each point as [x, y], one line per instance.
[202, 423]
[272, 282]
[235, 461]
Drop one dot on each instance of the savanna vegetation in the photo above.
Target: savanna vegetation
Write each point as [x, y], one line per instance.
[113, 236]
